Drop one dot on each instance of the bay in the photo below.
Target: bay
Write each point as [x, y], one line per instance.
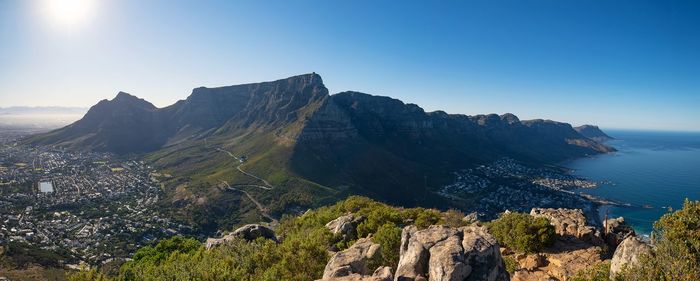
[652, 171]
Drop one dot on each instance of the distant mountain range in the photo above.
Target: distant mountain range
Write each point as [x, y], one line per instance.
[312, 145]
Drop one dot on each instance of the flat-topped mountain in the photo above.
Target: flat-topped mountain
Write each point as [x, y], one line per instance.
[311, 145]
[593, 132]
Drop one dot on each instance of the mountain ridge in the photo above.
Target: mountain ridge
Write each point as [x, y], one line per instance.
[312, 146]
[593, 132]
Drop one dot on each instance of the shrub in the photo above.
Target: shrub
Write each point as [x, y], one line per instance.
[677, 252]
[596, 272]
[453, 218]
[389, 237]
[522, 232]
[511, 264]
[427, 217]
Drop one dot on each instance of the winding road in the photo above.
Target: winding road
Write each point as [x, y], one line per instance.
[260, 207]
[266, 186]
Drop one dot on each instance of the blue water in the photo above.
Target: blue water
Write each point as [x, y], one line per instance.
[651, 171]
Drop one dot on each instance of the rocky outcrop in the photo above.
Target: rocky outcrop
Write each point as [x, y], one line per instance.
[617, 231]
[354, 263]
[566, 257]
[345, 226]
[627, 253]
[447, 253]
[531, 262]
[560, 261]
[251, 232]
[569, 222]
[471, 218]
[248, 232]
[576, 247]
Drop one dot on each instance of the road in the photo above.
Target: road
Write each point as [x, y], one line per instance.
[260, 207]
[266, 186]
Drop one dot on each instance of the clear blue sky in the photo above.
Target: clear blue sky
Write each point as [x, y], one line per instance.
[618, 64]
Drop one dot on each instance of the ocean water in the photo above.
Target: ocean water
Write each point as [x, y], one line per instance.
[651, 171]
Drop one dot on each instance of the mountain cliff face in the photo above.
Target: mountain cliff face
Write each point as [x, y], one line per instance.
[593, 132]
[295, 135]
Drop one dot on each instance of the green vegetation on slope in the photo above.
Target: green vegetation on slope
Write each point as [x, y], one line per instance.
[522, 232]
[302, 254]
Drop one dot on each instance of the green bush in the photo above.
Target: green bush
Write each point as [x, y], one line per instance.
[389, 237]
[511, 264]
[676, 255]
[596, 272]
[522, 232]
[301, 255]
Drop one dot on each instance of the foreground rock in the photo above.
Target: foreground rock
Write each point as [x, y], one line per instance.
[627, 253]
[577, 246]
[446, 253]
[353, 263]
[569, 222]
[617, 231]
[345, 226]
[248, 232]
[251, 232]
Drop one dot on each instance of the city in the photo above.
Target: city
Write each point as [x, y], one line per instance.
[87, 207]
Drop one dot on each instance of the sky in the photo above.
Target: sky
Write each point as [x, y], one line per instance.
[618, 64]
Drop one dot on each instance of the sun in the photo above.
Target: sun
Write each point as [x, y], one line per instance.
[68, 13]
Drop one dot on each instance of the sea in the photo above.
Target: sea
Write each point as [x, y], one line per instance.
[652, 171]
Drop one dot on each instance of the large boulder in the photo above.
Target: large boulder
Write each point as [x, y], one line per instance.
[569, 222]
[447, 253]
[354, 262]
[627, 253]
[381, 274]
[248, 232]
[251, 232]
[345, 226]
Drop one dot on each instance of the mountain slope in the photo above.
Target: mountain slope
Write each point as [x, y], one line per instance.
[311, 147]
[593, 132]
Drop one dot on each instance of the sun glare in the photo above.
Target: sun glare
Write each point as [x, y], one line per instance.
[68, 13]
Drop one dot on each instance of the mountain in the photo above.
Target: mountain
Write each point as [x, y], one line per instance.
[593, 132]
[309, 147]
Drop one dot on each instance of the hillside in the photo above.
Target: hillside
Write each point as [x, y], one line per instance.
[593, 132]
[291, 145]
